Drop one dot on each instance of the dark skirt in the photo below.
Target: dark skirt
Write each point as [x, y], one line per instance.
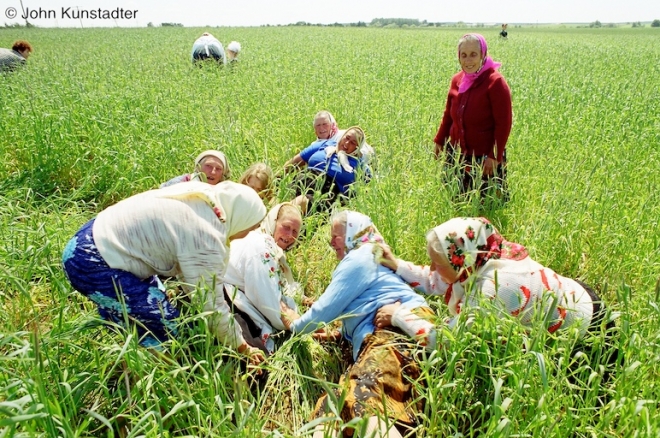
[465, 170]
[609, 355]
[320, 189]
[121, 297]
[251, 331]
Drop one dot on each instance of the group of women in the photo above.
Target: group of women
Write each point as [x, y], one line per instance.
[218, 238]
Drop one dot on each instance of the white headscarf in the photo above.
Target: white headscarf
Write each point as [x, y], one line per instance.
[359, 230]
[234, 46]
[236, 205]
[342, 156]
[217, 154]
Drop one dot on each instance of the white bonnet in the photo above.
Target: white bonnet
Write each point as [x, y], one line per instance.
[234, 46]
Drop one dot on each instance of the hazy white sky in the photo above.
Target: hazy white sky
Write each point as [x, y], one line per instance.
[191, 13]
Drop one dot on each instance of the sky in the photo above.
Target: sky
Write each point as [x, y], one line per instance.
[201, 13]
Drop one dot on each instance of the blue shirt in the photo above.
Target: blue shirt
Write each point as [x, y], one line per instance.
[315, 157]
[359, 287]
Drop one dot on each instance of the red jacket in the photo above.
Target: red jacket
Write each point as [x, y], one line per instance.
[479, 120]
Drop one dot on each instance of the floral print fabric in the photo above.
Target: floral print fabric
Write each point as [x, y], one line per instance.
[470, 242]
[119, 293]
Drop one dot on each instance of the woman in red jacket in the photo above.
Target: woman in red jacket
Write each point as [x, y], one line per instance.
[477, 119]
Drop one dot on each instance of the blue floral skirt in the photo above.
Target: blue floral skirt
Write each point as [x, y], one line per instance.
[121, 297]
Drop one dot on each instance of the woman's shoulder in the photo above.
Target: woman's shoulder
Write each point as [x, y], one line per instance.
[458, 76]
[495, 77]
[255, 241]
[318, 145]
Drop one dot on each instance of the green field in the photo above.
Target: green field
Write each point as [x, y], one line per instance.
[101, 114]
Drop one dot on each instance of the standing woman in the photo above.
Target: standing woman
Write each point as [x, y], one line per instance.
[184, 231]
[477, 119]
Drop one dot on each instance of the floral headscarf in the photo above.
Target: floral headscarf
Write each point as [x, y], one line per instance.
[268, 227]
[236, 205]
[217, 154]
[488, 63]
[343, 156]
[360, 230]
[469, 243]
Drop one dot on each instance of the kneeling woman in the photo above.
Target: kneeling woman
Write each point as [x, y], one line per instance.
[183, 231]
[259, 280]
[331, 169]
[470, 260]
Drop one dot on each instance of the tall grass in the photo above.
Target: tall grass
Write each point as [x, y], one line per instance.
[101, 114]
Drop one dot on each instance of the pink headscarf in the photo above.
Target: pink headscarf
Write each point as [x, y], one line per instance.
[488, 63]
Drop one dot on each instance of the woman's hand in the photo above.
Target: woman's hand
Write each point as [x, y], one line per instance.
[254, 355]
[322, 335]
[387, 258]
[489, 166]
[288, 315]
[294, 163]
[437, 151]
[383, 317]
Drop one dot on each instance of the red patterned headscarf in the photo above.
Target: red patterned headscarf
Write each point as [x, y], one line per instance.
[469, 243]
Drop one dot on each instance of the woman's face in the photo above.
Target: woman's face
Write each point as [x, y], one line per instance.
[257, 185]
[441, 266]
[338, 239]
[348, 143]
[214, 170]
[323, 128]
[286, 233]
[469, 55]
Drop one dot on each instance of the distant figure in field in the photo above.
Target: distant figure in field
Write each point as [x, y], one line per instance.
[208, 47]
[503, 33]
[233, 50]
[259, 176]
[210, 166]
[17, 56]
[477, 121]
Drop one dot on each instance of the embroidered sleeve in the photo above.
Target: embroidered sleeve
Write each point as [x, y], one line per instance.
[421, 278]
[263, 283]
